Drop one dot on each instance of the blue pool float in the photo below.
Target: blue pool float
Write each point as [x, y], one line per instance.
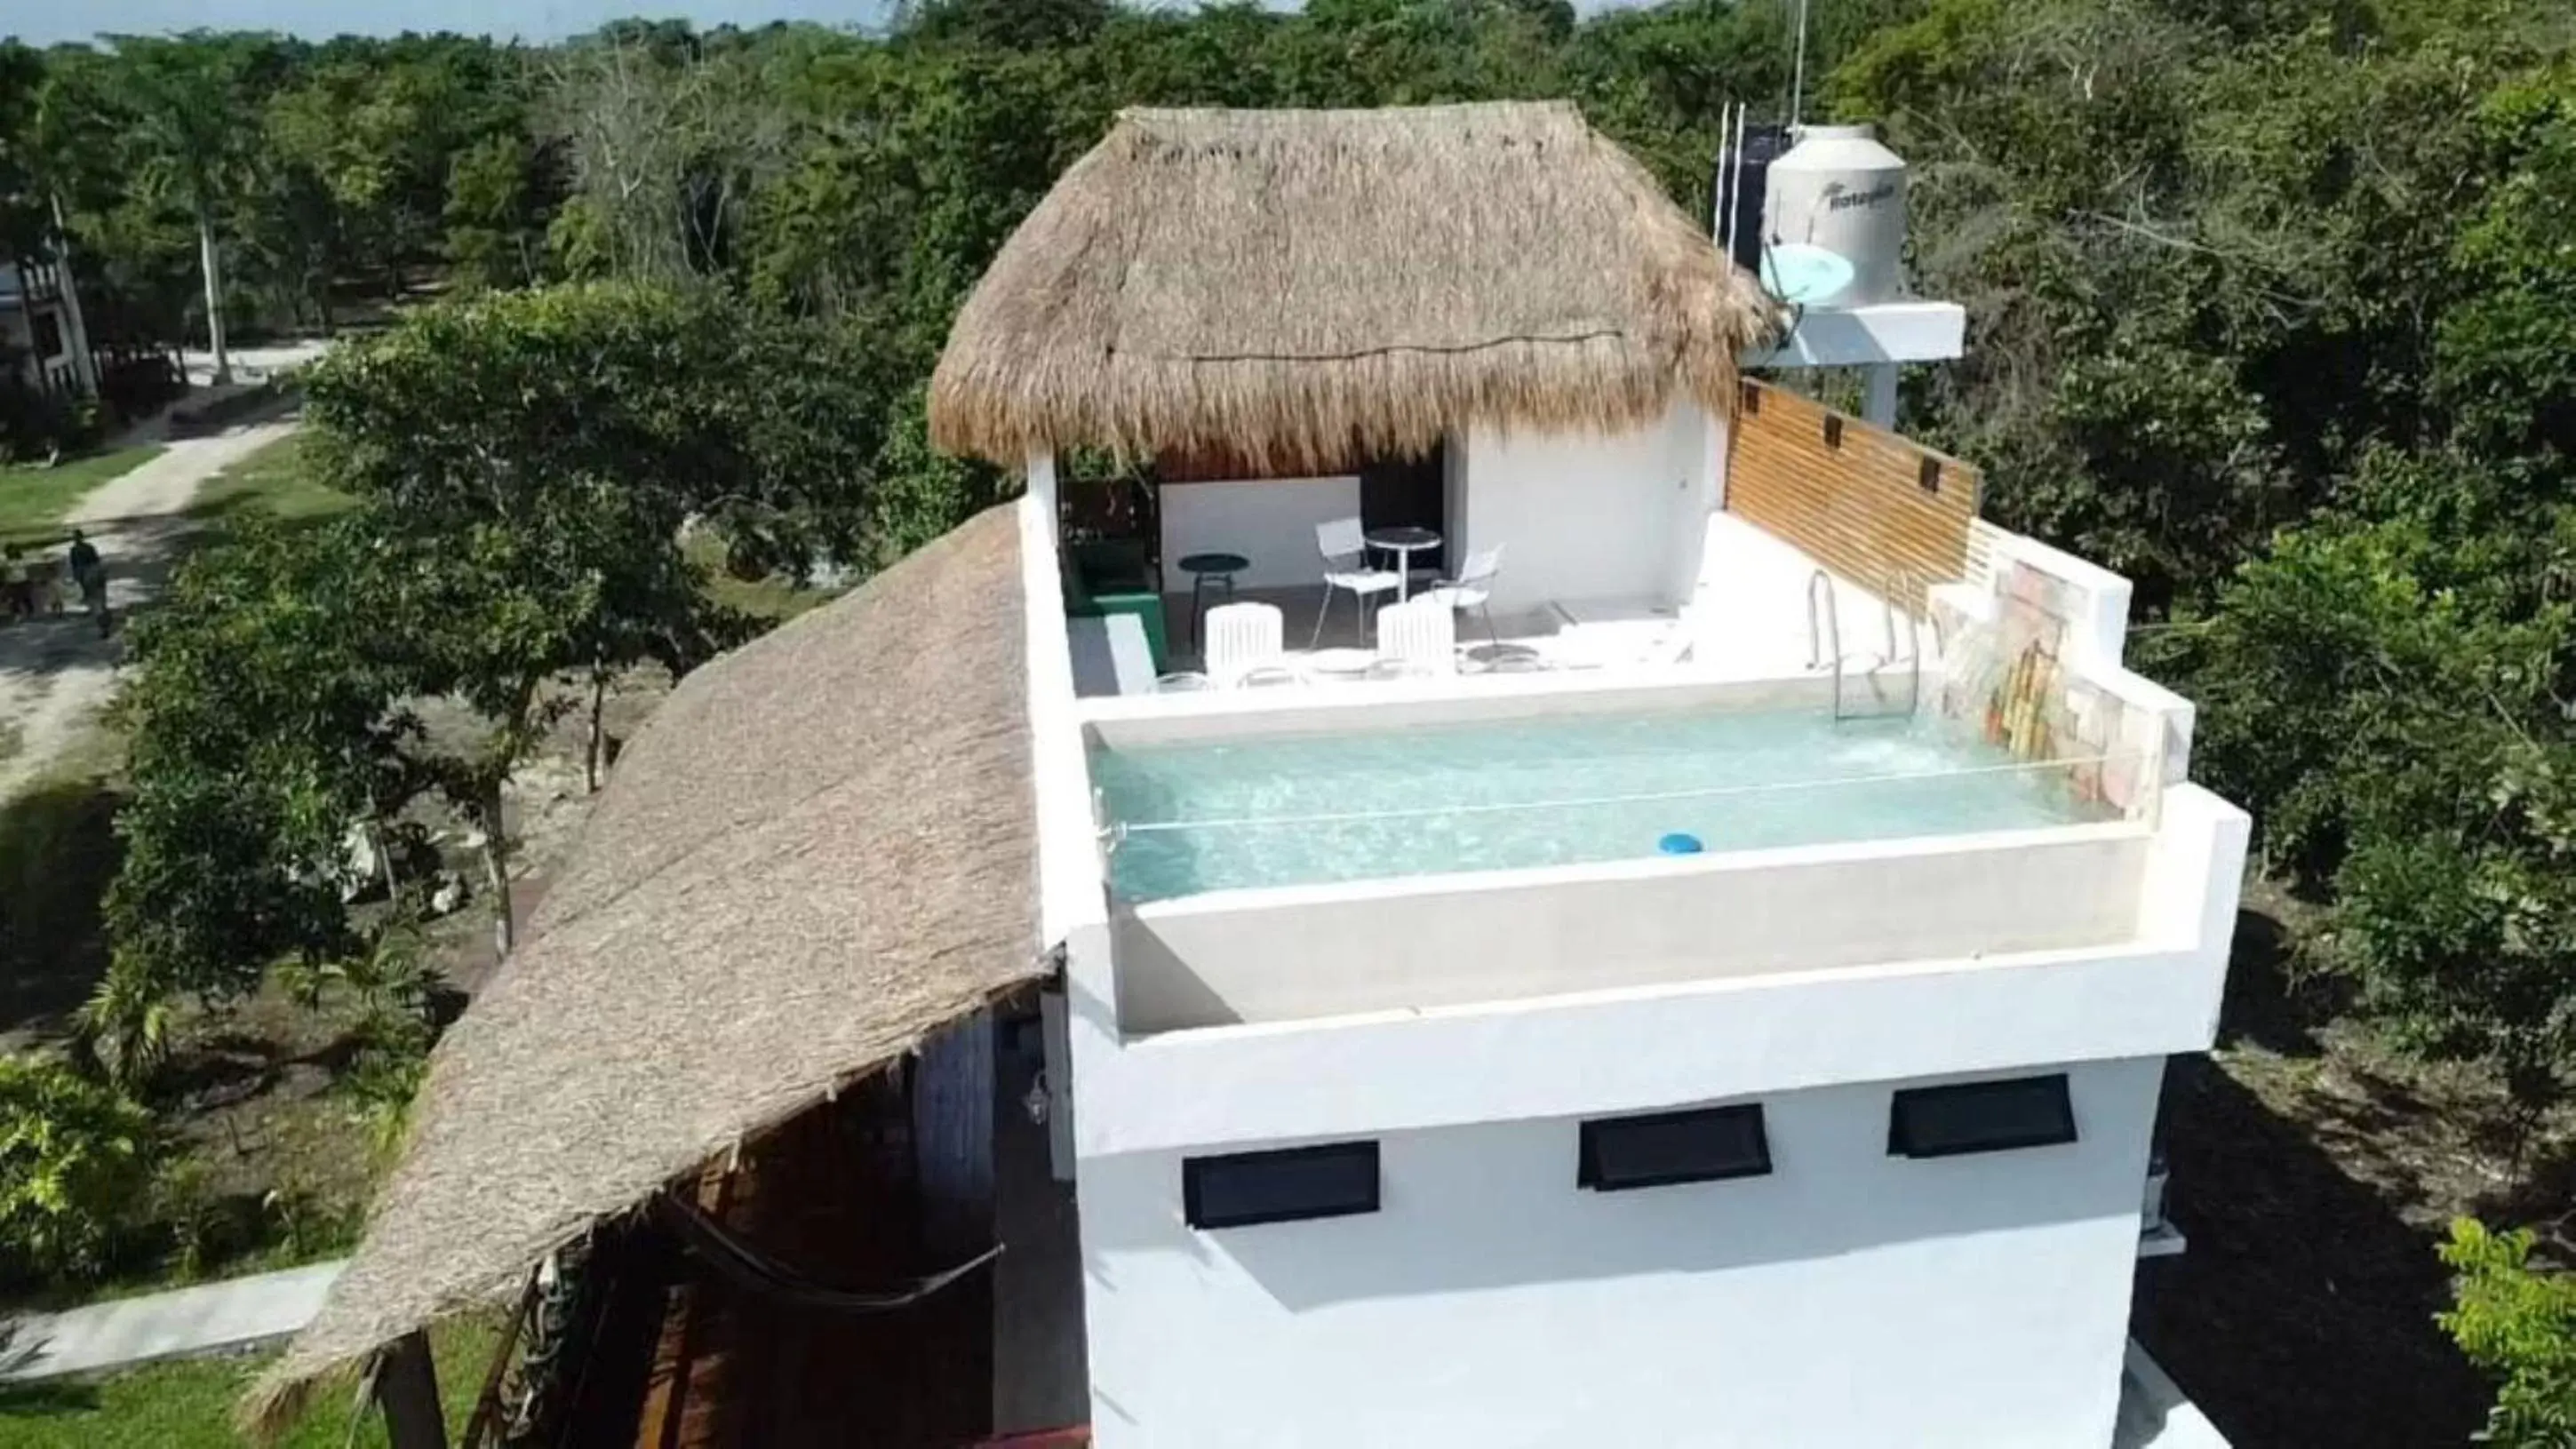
[1678, 843]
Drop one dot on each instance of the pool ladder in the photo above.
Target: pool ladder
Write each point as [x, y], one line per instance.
[1825, 636]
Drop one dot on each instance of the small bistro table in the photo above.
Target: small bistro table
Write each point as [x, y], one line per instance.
[1205, 569]
[1403, 542]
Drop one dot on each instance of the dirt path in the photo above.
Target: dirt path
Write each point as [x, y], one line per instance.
[56, 674]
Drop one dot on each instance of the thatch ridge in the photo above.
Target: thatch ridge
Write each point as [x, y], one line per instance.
[818, 852]
[1291, 287]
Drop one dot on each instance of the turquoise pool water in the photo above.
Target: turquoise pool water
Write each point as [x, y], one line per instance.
[1547, 791]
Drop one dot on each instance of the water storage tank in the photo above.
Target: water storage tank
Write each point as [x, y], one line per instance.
[1841, 190]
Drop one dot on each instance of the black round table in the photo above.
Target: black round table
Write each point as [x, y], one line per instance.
[1205, 569]
[1404, 542]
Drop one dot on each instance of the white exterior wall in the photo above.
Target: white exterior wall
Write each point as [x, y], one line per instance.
[1269, 521]
[1848, 1299]
[1588, 516]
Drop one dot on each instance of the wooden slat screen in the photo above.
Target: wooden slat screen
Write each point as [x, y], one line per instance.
[1865, 503]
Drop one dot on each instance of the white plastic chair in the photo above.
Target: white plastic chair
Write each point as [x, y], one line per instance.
[1420, 636]
[1473, 588]
[1345, 551]
[1244, 640]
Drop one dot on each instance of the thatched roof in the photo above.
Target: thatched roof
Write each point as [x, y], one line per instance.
[819, 851]
[1289, 286]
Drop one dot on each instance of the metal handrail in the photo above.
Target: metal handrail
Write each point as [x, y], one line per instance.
[1823, 627]
[1904, 580]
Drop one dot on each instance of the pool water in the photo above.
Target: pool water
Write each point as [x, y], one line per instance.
[1555, 790]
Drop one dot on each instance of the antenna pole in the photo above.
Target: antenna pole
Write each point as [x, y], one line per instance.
[1743, 117]
[1798, 69]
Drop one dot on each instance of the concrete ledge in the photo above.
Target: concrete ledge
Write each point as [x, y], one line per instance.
[225, 1317]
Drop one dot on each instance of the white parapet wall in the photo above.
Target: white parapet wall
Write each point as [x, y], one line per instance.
[1425, 941]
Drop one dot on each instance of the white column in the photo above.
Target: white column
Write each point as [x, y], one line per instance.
[1040, 471]
[1880, 406]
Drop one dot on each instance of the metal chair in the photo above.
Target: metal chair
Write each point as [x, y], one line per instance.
[1473, 588]
[1345, 551]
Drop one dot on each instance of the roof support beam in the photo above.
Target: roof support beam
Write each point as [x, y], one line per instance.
[407, 1390]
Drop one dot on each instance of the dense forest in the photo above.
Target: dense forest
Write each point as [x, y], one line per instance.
[2272, 307]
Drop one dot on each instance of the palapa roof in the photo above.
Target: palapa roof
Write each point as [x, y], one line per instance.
[1289, 287]
[817, 852]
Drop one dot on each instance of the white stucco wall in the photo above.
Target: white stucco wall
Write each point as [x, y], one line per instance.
[1269, 521]
[1848, 1299]
[1589, 516]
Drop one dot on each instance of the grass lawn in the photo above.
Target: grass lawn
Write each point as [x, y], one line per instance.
[189, 1404]
[34, 498]
[275, 482]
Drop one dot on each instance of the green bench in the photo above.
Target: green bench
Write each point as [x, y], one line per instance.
[1113, 576]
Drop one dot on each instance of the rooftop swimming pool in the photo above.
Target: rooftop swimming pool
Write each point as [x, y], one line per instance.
[1551, 790]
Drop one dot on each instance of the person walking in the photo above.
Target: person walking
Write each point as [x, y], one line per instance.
[89, 575]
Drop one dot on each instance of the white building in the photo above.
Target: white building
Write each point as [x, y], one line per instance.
[43, 344]
[1710, 986]
[1417, 1094]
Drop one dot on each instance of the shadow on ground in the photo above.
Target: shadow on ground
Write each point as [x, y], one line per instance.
[48, 1400]
[58, 851]
[2302, 1314]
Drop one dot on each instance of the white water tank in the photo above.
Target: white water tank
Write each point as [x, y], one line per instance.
[1839, 189]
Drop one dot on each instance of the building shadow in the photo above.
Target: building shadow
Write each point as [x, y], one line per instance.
[2272, 1001]
[2302, 1314]
[58, 851]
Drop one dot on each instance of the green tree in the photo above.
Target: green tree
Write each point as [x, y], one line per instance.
[2518, 1323]
[542, 451]
[263, 721]
[184, 106]
[492, 237]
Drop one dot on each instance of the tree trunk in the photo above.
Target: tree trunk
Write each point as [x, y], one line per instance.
[496, 874]
[597, 744]
[212, 266]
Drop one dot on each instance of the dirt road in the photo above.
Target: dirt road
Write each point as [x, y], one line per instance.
[56, 674]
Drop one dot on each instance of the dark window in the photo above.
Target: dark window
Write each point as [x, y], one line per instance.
[1331, 1181]
[1668, 1147]
[1980, 1117]
[49, 335]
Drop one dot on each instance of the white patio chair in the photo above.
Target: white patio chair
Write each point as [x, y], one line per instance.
[1244, 640]
[1473, 588]
[1419, 635]
[1346, 567]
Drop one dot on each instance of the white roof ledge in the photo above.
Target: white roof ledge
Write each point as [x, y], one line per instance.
[1909, 331]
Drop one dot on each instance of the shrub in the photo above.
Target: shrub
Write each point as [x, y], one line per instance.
[73, 1155]
[2518, 1323]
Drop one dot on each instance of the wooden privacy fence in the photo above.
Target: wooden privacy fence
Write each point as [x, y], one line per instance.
[1888, 514]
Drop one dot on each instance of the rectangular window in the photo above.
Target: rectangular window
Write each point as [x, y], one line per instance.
[49, 335]
[1980, 1117]
[1702, 1145]
[1238, 1191]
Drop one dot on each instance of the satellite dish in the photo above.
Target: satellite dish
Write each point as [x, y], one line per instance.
[1805, 275]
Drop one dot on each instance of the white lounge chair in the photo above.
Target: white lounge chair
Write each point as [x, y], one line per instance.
[1345, 550]
[1473, 588]
[1419, 636]
[1245, 646]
